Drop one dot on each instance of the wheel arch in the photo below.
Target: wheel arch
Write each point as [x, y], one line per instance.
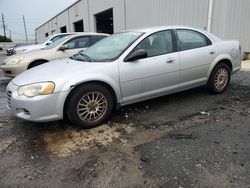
[224, 59]
[37, 60]
[102, 83]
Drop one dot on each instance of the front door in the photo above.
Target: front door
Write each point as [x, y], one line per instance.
[73, 46]
[152, 76]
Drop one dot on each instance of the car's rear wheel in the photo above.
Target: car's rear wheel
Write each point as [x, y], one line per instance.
[90, 105]
[219, 79]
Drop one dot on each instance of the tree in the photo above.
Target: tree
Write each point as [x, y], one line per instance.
[4, 39]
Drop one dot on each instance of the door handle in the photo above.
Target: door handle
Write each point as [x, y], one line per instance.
[211, 52]
[170, 60]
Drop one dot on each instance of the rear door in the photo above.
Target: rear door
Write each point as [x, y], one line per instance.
[154, 75]
[196, 54]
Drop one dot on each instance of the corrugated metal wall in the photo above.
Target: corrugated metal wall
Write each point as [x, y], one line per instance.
[79, 12]
[141, 13]
[97, 6]
[63, 20]
[231, 21]
[230, 18]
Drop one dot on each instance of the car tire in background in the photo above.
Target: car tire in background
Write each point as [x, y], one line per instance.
[36, 63]
[89, 105]
[219, 79]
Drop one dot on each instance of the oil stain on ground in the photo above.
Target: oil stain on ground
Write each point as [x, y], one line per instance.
[63, 143]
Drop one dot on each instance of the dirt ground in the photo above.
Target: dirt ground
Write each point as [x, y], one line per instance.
[189, 139]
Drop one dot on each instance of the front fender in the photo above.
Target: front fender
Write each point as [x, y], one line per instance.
[92, 78]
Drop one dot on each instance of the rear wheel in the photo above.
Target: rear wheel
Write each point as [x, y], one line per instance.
[219, 79]
[90, 105]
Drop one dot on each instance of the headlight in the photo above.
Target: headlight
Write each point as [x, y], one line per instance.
[15, 61]
[32, 90]
[19, 60]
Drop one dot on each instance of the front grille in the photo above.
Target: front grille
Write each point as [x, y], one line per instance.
[8, 95]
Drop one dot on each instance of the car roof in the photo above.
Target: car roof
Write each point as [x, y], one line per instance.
[150, 30]
[69, 37]
[160, 28]
[81, 33]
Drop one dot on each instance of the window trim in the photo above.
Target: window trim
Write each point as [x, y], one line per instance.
[208, 40]
[85, 36]
[174, 41]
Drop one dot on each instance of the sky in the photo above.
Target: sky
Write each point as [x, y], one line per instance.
[36, 12]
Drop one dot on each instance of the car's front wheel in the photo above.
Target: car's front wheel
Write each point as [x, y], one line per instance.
[90, 105]
[219, 79]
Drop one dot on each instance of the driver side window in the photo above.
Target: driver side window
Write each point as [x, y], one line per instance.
[157, 44]
[81, 42]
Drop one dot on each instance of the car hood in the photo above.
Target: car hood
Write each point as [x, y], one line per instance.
[56, 71]
[36, 53]
[28, 55]
[30, 47]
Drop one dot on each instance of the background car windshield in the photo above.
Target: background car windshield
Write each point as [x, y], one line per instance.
[44, 40]
[56, 43]
[112, 47]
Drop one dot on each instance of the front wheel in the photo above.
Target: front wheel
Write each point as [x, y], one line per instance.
[90, 105]
[219, 79]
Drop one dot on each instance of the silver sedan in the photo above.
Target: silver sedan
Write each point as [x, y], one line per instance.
[124, 68]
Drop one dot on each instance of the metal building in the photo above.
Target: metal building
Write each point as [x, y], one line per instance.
[228, 19]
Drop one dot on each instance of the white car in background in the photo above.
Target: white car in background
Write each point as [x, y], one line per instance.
[65, 47]
[10, 51]
[42, 44]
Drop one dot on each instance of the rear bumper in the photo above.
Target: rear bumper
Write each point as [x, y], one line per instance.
[236, 69]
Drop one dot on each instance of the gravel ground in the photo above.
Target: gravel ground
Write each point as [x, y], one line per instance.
[165, 142]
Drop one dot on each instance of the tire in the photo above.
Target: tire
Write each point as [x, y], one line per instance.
[219, 79]
[85, 112]
[35, 64]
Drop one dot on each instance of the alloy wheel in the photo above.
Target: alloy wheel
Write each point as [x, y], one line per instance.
[92, 106]
[221, 78]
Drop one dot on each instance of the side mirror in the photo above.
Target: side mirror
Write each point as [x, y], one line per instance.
[48, 43]
[138, 54]
[63, 47]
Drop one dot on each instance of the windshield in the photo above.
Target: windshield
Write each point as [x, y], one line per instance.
[110, 48]
[44, 40]
[56, 43]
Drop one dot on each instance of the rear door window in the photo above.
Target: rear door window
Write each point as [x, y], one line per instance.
[189, 39]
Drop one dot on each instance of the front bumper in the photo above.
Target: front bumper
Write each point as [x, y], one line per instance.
[37, 109]
[13, 70]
